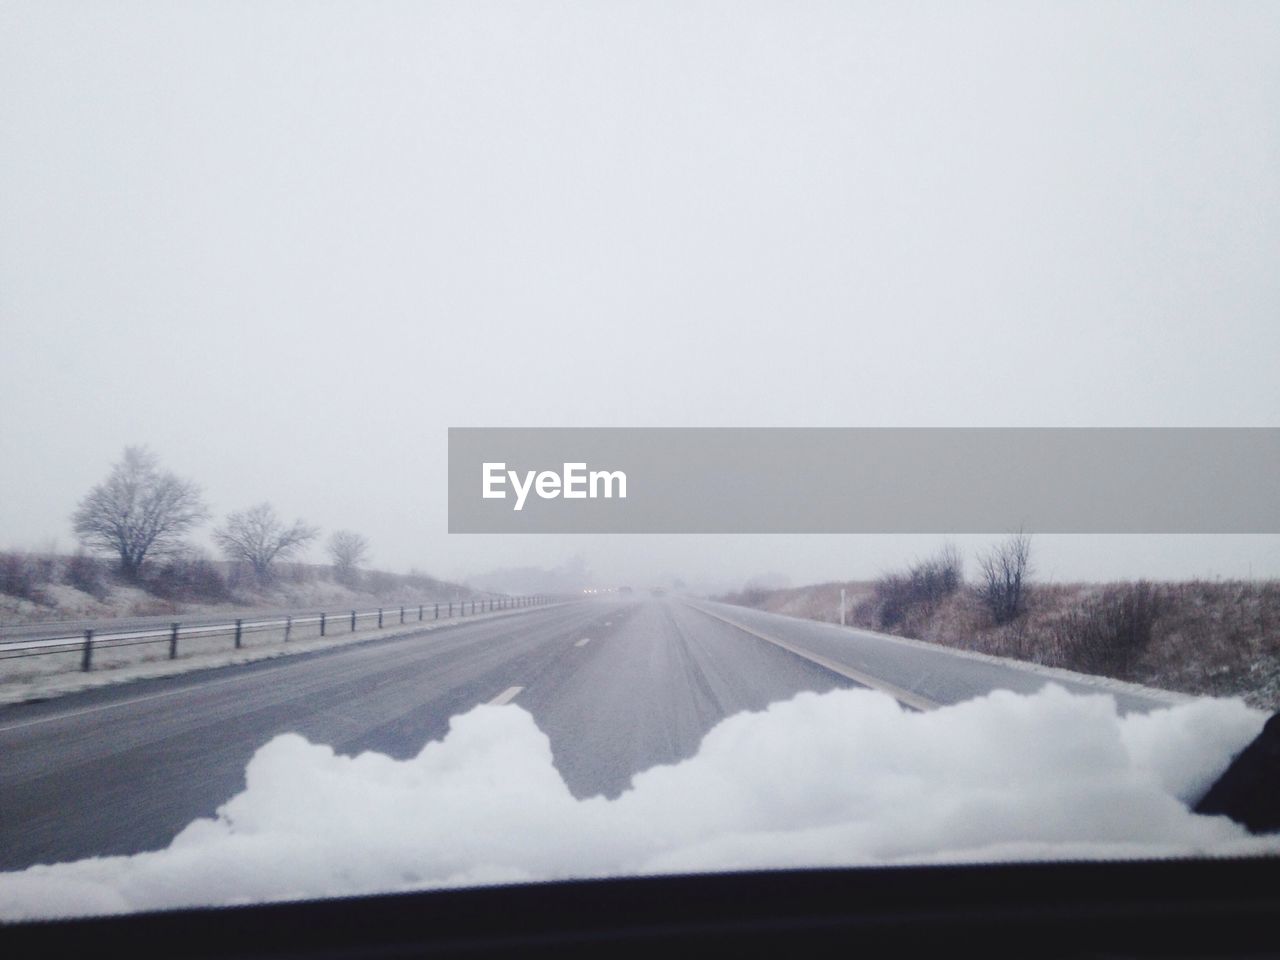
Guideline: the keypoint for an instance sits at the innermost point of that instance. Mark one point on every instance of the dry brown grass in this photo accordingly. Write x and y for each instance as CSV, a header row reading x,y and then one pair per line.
x,y
819,601
1218,638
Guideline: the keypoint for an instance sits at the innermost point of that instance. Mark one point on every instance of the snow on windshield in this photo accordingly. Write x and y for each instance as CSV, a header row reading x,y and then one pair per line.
x,y
842,778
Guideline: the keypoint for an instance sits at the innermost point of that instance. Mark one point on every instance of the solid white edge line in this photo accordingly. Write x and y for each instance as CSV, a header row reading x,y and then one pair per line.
x,y
1100,683
904,697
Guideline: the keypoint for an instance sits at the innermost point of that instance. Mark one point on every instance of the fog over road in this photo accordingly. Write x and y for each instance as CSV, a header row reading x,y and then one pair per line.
x,y
617,685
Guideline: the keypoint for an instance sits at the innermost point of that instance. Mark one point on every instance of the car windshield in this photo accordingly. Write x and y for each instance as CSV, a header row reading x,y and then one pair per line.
x,y
464,444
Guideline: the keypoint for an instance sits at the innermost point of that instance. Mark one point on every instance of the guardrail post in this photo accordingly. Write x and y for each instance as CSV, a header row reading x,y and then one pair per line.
x,y
86,662
353,621
450,608
437,611
288,628
173,642
419,611
379,618
402,615
322,624
239,630
473,606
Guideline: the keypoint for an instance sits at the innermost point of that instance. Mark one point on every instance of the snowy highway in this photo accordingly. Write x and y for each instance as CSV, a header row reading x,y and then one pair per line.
x,y
618,686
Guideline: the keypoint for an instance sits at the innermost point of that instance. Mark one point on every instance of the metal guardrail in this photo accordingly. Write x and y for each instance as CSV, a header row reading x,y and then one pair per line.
x,y
329,623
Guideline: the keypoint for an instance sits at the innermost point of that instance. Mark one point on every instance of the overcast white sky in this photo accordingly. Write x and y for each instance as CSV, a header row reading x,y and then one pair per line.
x,y
289,244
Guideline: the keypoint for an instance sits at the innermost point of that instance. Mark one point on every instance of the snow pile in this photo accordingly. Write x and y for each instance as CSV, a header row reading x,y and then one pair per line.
x,y
846,777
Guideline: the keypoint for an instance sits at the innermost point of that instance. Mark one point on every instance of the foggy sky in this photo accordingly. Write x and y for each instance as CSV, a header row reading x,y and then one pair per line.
x,y
288,245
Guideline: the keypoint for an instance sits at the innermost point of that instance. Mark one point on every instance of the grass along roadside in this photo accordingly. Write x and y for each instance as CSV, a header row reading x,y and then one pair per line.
x,y
1215,638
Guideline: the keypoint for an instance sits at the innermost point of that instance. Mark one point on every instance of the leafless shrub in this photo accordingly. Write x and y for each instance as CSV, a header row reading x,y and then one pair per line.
x,y
85,573
298,572
348,550
188,576
23,575
138,511
893,599
259,537
1003,583
1111,630
380,583
920,589
426,585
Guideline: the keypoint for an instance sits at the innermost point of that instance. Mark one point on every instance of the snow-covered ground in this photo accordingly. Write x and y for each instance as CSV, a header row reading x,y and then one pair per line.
x,y
843,778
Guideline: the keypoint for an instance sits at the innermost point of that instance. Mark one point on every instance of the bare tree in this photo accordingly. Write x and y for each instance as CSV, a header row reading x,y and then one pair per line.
x,y
950,563
138,511
259,537
921,588
1005,570
348,551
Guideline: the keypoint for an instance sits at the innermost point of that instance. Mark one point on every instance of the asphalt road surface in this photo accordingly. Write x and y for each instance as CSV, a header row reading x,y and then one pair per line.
x,y
618,686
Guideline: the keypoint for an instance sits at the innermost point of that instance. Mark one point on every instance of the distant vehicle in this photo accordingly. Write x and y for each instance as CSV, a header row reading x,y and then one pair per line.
x,y
659,591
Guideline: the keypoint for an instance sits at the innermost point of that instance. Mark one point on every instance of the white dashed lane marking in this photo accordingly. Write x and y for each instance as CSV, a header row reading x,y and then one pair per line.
x,y
583,642
506,696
